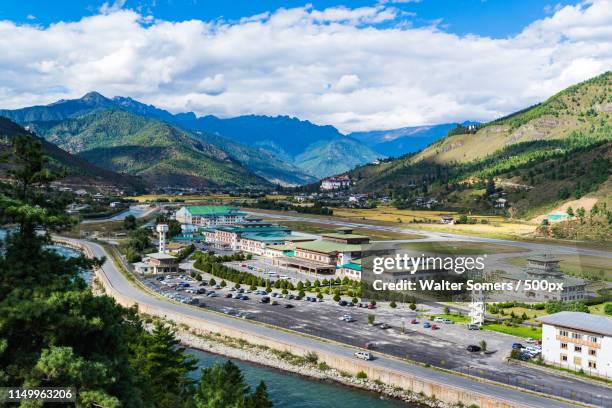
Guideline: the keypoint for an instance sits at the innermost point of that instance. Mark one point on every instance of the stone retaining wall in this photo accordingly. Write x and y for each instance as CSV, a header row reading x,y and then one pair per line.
x,y
441,391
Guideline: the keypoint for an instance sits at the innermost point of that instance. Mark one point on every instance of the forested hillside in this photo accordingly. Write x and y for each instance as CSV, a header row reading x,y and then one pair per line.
x,y
160,153
535,158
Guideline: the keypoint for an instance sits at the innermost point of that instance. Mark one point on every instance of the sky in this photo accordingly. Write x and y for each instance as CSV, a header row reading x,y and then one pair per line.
x,y
358,65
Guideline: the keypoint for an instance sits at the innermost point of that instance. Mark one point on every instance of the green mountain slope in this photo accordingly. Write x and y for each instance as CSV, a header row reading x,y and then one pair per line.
x,y
79,171
334,156
161,153
537,157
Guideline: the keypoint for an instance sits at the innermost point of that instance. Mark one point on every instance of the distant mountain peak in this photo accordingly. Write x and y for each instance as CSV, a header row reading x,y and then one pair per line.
x,y
94,96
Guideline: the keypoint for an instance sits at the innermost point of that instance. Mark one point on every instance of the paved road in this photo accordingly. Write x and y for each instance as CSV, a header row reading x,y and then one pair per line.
x,y
138,211
123,286
432,236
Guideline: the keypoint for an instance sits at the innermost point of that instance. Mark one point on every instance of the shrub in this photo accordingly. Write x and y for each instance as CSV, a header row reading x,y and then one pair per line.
x,y
393,305
361,375
336,297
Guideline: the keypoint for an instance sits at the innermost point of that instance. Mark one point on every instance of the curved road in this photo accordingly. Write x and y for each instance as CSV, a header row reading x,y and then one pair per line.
x,y
128,290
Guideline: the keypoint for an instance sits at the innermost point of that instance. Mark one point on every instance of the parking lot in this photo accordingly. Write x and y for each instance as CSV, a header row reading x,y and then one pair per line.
x,y
392,333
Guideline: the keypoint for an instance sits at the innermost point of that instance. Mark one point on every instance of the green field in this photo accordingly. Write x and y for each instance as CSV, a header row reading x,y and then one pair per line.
x,y
463,248
518,331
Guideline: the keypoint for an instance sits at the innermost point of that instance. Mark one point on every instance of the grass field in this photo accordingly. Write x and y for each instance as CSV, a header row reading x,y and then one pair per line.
x,y
518,331
495,226
454,317
589,267
599,309
463,248
532,314
318,228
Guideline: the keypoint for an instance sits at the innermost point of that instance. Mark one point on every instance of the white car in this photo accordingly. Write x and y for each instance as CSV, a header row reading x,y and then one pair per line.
x,y
364,355
438,319
346,318
530,340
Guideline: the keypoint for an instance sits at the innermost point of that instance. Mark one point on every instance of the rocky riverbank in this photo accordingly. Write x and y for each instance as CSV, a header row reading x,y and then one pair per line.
x,y
308,365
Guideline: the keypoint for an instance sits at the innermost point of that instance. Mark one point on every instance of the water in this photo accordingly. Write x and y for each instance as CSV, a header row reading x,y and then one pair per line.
x,y
135,210
290,390
66,252
556,217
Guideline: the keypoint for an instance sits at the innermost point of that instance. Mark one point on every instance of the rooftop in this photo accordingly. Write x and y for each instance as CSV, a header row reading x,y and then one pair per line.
x,y
543,258
263,236
341,235
160,255
327,247
213,210
580,321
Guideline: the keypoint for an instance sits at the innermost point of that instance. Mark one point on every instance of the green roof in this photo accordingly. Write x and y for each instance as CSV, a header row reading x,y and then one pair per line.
x,y
265,237
281,247
256,230
327,246
298,238
213,210
352,265
344,236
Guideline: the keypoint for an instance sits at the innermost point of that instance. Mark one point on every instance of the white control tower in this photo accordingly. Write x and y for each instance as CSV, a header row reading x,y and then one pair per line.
x,y
162,229
478,307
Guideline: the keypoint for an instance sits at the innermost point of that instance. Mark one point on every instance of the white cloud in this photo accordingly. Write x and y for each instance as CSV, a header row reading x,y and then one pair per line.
x,y
347,83
107,8
338,65
31,17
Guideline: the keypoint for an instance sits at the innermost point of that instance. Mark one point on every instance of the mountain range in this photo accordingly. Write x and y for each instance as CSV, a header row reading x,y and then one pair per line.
x,y
542,156
278,149
398,142
78,170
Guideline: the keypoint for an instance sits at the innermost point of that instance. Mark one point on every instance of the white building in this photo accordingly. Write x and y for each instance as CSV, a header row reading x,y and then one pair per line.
x,y
578,341
196,216
335,183
159,262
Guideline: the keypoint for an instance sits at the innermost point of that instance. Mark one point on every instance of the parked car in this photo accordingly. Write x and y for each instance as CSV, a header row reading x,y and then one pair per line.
x,y
426,325
530,340
342,303
288,306
264,299
371,306
347,318
472,348
384,326
448,321
517,346
274,303
228,295
473,327
364,355
438,319
524,356
244,297
434,327
370,345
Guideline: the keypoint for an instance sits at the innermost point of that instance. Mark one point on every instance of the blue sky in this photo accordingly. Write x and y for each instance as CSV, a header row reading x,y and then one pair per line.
x,y
494,18
359,65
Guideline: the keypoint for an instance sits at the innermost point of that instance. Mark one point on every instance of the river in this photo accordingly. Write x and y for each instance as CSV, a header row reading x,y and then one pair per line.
x,y
291,390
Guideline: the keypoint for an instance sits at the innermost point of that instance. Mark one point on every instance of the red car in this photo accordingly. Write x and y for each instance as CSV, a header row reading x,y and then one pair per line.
x,y
370,346
434,327
414,321
370,306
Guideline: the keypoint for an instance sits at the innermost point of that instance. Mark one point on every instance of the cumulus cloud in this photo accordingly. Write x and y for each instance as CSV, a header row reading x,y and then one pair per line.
x,y
355,68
